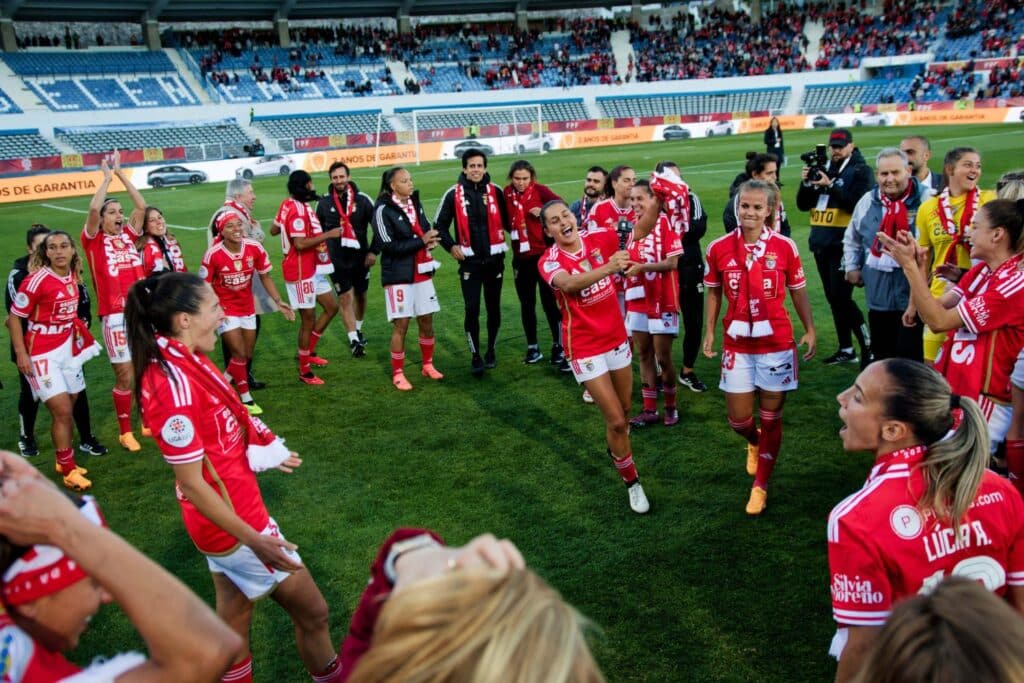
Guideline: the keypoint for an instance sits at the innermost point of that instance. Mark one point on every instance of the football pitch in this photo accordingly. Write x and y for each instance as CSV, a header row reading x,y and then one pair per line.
x,y
693,591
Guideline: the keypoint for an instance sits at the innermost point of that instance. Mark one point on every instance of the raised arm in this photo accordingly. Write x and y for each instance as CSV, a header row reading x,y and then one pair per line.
x,y
92,221
138,203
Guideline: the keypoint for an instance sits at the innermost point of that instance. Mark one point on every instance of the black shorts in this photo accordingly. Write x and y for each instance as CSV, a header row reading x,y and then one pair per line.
x,y
350,272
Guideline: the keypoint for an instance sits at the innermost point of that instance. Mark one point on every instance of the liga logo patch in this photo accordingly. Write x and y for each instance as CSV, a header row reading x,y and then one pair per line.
x,y
21,300
178,431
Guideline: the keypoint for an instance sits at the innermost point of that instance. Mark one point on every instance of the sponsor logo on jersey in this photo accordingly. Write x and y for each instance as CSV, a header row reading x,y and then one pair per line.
x,y
238,265
906,522
854,590
178,431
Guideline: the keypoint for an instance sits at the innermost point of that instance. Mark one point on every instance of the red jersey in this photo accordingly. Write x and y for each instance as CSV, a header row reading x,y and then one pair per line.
x,y
191,424
527,232
782,270
591,320
881,548
606,214
231,275
26,661
979,357
296,220
655,293
50,303
154,259
115,265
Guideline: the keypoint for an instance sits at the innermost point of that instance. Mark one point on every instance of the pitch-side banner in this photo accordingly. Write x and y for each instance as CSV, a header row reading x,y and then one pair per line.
x,y
55,185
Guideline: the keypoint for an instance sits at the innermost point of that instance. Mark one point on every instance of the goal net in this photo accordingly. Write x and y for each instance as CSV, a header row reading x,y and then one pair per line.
x,y
508,129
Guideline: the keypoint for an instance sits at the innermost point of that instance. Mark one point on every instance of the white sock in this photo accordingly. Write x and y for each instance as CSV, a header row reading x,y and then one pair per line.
x,y
353,336
359,326
246,397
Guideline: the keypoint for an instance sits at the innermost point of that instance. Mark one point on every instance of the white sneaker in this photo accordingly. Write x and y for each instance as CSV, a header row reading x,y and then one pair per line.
x,y
587,398
637,499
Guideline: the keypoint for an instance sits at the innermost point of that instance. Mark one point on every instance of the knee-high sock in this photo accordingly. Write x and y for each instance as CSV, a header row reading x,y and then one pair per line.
x,y
66,460
239,673
314,339
768,451
427,350
239,375
123,409
746,429
626,468
397,362
650,397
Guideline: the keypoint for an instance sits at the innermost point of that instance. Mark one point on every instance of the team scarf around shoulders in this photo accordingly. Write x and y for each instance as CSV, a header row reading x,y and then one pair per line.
x,y
968,376
648,286
951,227
348,233
894,219
675,198
750,319
425,262
521,201
495,230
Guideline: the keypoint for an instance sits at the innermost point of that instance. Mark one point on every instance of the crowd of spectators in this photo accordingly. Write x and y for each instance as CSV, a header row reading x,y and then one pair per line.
x,y
717,44
902,28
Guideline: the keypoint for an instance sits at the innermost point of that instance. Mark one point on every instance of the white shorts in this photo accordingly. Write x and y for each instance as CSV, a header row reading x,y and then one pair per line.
x,y
668,323
248,572
586,369
408,301
998,416
237,322
745,372
303,294
54,373
1017,378
115,337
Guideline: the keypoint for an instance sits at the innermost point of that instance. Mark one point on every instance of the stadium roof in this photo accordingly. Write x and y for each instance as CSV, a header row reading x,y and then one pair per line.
x,y
266,10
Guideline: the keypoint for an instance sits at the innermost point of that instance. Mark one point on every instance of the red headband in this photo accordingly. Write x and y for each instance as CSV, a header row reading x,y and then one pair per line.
x,y
225,217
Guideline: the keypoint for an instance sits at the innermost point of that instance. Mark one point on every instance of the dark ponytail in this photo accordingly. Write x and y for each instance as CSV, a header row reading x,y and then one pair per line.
x,y
149,310
385,182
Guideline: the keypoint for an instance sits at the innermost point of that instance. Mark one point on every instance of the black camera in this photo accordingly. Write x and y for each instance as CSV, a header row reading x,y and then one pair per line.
x,y
816,161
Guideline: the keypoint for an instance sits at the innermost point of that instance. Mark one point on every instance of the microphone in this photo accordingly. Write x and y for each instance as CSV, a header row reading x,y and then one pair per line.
x,y
624,229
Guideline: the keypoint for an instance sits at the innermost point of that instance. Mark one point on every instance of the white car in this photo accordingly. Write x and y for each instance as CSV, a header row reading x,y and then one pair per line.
x,y
274,164
720,128
536,143
874,118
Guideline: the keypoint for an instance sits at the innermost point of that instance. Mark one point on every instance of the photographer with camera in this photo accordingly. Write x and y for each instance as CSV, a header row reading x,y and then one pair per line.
x,y
829,190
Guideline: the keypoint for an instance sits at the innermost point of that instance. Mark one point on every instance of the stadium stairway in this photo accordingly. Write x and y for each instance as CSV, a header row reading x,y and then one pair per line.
x,y
188,77
398,72
621,49
19,93
813,30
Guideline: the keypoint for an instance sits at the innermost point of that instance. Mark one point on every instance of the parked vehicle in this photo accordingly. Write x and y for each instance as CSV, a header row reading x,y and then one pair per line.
x,y
873,118
675,132
174,175
536,143
720,128
275,164
467,145
822,122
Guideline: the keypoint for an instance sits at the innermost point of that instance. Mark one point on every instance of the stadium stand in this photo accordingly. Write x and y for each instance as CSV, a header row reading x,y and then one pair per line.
x,y
70,63
981,29
850,35
299,126
24,144
822,99
760,99
561,110
167,134
7,105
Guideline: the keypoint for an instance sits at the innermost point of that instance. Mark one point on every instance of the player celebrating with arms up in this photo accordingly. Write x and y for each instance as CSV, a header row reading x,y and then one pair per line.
x,y
108,241
755,265
579,269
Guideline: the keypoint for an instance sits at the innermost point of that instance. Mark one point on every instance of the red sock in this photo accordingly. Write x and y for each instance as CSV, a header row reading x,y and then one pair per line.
x,y
314,339
239,373
303,362
331,674
123,409
670,396
239,673
427,349
650,396
746,429
66,460
771,441
1015,462
626,468
397,362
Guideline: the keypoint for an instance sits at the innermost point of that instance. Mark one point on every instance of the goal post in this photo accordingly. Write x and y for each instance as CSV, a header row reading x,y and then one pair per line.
x,y
506,129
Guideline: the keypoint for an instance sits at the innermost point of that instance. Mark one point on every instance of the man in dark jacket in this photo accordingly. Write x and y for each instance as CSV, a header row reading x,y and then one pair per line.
x,y
830,197
28,407
477,208
346,207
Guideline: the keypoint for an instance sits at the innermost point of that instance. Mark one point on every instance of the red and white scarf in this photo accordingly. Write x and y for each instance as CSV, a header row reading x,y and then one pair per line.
x,y
495,229
425,262
952,228
83,345
675,198
894,219
750,319
521,203
348,233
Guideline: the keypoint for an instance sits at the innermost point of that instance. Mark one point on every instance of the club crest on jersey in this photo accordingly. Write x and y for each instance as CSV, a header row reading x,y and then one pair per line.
x,y
249,262
71,289
769,262
598,259
585,265
118,244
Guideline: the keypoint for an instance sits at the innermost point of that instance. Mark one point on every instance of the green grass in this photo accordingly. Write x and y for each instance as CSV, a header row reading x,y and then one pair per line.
x,y
693,591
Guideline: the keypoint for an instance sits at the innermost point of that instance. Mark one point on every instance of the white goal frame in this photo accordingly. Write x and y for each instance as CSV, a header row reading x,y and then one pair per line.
x,y
536,123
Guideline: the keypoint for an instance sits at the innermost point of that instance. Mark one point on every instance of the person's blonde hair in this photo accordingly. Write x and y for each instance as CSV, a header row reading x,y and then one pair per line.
x,y
959,632
480,627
